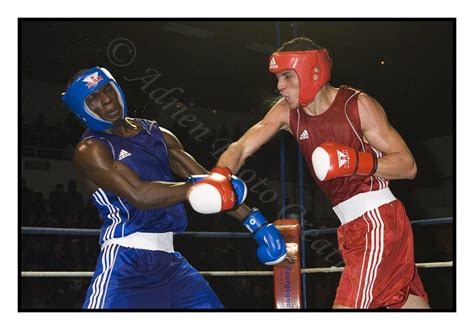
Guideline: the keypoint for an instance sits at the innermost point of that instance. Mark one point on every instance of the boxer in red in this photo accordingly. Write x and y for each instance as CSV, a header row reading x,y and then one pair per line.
x,y
352,152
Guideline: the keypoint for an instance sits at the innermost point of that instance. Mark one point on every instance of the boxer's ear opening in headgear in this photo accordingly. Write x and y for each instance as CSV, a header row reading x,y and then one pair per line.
x,y
84,83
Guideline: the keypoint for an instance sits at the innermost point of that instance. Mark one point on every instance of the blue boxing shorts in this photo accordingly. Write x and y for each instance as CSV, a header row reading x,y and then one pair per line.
x,y
136,278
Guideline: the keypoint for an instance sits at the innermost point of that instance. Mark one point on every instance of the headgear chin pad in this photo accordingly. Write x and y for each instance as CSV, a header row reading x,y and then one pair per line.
x,y
313,68
84,85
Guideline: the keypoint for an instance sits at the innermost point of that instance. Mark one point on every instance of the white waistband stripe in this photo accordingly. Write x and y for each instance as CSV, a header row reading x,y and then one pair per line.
x,y
146,241
356,206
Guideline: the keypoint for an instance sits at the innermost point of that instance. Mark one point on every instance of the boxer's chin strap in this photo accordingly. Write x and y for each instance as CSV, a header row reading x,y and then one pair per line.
x,y
287,274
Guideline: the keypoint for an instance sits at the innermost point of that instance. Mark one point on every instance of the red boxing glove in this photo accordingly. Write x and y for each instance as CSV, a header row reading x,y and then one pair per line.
x,y
214,193
332,160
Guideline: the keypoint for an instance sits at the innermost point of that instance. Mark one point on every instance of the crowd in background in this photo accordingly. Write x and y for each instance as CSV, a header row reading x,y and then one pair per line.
x,y
64,135
61,135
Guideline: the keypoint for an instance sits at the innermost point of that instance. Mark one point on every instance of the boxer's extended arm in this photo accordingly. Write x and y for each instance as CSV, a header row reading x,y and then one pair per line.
x,y
181,162
272,248
184,165
276,119
398,161
94,161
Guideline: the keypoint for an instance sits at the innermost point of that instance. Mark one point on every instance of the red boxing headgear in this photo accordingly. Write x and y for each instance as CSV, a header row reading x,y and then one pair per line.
x,y
307,64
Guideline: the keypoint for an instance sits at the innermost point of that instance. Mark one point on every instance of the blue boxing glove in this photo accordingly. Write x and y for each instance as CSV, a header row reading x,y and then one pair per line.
x,y
271,246
240,188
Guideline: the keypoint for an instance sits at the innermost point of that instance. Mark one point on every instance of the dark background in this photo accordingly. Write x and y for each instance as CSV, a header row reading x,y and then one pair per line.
x,y
222,65
219,69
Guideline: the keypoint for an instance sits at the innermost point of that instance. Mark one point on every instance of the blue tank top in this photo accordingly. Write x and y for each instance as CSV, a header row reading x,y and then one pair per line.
x,y
147,155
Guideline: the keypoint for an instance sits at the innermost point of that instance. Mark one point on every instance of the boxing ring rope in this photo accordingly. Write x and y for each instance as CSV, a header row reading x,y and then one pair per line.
x,y
436,221
207,234
443,264
96,232
232,273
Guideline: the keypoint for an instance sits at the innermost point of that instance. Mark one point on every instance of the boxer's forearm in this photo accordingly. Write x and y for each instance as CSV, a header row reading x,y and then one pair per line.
x,y
160,194
240,213
233,158
183,164
396,166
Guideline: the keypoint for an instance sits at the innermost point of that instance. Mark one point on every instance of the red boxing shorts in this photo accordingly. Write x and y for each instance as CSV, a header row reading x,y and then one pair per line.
x,y
377,249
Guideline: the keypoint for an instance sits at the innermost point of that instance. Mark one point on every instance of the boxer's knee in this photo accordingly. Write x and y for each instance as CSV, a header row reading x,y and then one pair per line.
x,y
416,302
336,306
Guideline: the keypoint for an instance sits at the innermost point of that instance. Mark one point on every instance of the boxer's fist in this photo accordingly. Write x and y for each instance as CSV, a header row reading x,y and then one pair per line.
x,y
271,246
238,184
332,160
214,193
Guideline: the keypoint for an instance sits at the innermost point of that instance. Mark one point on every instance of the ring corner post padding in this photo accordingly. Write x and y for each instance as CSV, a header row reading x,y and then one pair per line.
x,y
287,274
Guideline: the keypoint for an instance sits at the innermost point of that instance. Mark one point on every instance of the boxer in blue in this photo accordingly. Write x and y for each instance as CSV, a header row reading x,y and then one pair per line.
x,y
128,166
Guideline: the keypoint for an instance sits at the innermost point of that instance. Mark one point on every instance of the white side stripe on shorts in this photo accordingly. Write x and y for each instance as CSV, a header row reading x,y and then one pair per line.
x,y
113,256
97,283
363,263
101,282
375,256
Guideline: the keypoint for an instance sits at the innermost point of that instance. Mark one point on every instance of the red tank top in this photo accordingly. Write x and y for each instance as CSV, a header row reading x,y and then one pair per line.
x,y
340,123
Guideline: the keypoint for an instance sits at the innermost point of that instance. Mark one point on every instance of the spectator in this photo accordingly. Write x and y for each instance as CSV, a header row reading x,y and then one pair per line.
x,y
57,201
39,207
57,134
25,132
40,132
74,202
26,195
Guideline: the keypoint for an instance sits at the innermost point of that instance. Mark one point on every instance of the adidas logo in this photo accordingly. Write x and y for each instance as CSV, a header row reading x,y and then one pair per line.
x,y
343,158
124,154
273,64
304,135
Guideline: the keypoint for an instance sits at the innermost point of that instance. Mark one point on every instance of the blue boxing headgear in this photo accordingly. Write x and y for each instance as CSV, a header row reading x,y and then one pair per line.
x,y
84,85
